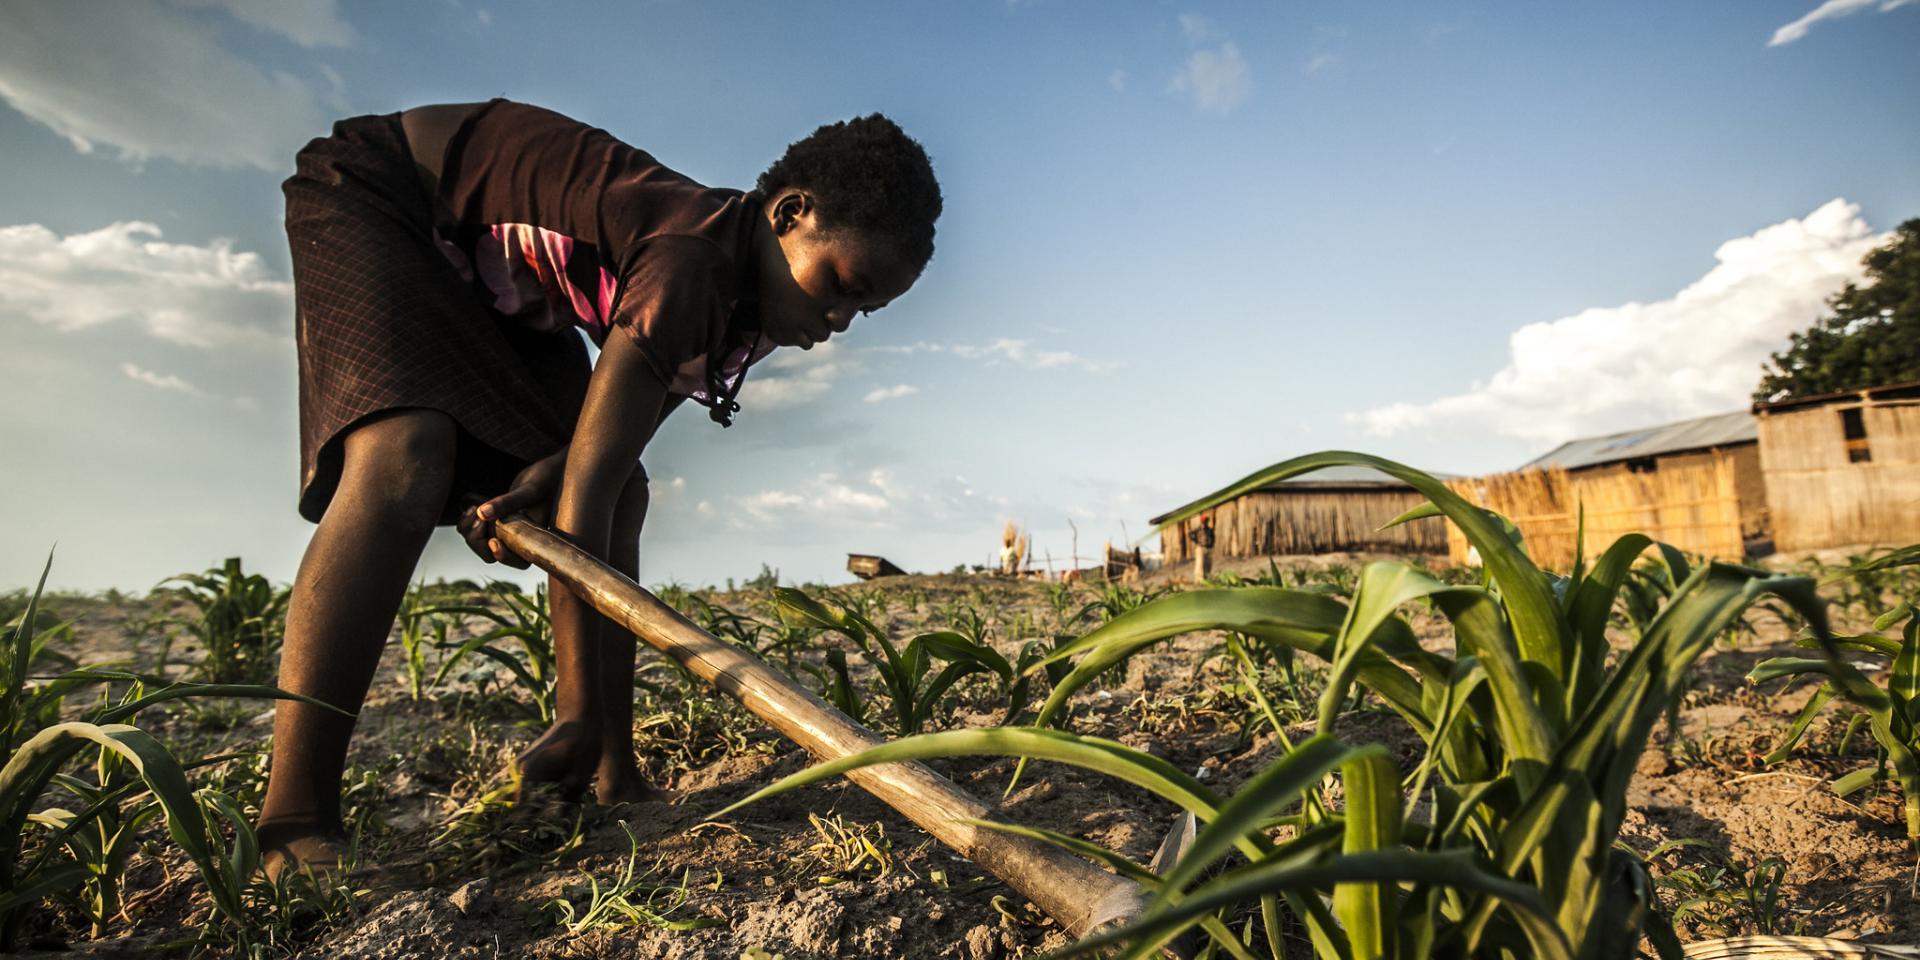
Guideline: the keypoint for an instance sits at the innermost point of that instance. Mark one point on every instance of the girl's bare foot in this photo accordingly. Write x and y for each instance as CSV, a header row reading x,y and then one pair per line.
x,y
564,757
301,850
616,785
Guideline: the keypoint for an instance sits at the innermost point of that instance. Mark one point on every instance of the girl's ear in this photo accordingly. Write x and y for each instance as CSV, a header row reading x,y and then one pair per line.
x,y
788,209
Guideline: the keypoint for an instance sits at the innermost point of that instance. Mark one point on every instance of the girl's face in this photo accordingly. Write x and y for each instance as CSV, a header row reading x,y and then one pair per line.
x,y
813,282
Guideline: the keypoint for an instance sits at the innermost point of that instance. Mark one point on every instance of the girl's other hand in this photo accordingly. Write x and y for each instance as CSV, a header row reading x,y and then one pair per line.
x,y
531,493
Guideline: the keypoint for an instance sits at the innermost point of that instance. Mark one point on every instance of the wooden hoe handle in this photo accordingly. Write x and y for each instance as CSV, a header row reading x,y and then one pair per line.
x,y
1077,894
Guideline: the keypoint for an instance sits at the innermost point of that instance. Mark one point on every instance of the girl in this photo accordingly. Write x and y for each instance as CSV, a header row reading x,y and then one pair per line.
x,y
441,258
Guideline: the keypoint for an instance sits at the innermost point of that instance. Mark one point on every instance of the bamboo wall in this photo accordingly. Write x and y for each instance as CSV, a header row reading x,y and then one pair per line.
x,y
1819,499
1274,523
1691,500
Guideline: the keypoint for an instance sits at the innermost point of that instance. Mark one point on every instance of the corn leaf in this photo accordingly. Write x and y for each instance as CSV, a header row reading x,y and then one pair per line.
x,y
1538,623
1102,756
1367,910
1274,788
37,761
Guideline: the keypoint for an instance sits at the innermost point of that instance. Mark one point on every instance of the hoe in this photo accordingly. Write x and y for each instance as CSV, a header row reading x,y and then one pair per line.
x,y
1078,895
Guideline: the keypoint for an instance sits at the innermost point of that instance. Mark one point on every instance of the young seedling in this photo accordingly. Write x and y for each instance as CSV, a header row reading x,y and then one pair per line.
x,y
241,619
904,671
1892,712
132,769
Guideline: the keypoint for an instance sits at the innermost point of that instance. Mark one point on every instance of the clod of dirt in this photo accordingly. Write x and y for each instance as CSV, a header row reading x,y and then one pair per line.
x,y
414,925
469,895
811,922
1653,763
982,944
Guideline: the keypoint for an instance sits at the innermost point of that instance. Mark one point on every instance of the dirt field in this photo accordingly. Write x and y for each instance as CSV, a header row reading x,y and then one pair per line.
x,y
829,872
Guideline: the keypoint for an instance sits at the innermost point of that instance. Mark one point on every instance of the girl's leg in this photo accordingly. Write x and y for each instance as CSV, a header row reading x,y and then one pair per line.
x,y
592,735
617,779
397,471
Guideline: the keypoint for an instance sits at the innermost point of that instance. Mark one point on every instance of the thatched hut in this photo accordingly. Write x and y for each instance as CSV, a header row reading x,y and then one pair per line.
x,y
1843,468
1330,510
1695,484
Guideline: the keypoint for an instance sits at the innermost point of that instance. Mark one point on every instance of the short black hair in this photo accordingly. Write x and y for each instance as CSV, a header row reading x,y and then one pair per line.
x,y
867,175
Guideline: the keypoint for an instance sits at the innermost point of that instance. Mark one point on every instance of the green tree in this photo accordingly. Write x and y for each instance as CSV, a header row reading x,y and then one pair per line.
x,y
1872,338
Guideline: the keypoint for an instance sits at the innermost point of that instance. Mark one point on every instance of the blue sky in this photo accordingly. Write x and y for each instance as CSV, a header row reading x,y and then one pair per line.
x,y
1182,241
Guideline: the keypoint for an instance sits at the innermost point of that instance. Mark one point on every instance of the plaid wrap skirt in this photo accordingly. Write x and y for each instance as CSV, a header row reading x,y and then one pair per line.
x,y
382,321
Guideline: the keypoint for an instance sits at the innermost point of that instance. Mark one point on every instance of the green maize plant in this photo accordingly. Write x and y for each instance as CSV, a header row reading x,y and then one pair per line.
x,y
968,621
1115,599
1868,578
525,623
241,619
1016,681
422,628
1032,660
1892,713
1722,899
1060,599
1253,662
764,640
26,708
903,670
135,776
32,769
1501,842
100,837
865,603
838,686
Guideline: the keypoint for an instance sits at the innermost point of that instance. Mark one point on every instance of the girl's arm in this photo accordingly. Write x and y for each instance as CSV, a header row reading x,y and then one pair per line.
x,y
624,406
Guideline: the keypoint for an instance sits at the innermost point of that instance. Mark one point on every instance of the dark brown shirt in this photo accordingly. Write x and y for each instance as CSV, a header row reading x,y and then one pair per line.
x,y
558,223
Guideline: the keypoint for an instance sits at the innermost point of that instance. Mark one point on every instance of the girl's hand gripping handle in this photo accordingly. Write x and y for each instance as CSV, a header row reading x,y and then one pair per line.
x,y
532,493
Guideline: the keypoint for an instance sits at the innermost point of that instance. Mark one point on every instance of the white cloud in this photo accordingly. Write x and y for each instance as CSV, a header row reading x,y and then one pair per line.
x,y
767,502
1117,80
1022,353
1197,28
824,497
796,377
160,381
894,392
882,480
173,383
1636,364
1829,10
1215,77
1319,62
150,79
200,296
1003,349
309,23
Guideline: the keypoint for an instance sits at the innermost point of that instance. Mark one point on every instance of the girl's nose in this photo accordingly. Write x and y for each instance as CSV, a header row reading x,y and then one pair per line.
x,y
840,318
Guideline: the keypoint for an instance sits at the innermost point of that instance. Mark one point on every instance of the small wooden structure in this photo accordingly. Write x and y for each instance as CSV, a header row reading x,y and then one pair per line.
x,y
1695,484
1326,511
1843,468
867,566
1121,564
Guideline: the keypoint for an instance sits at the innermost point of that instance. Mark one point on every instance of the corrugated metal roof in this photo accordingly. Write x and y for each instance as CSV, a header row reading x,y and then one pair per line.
x,y
1719,430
